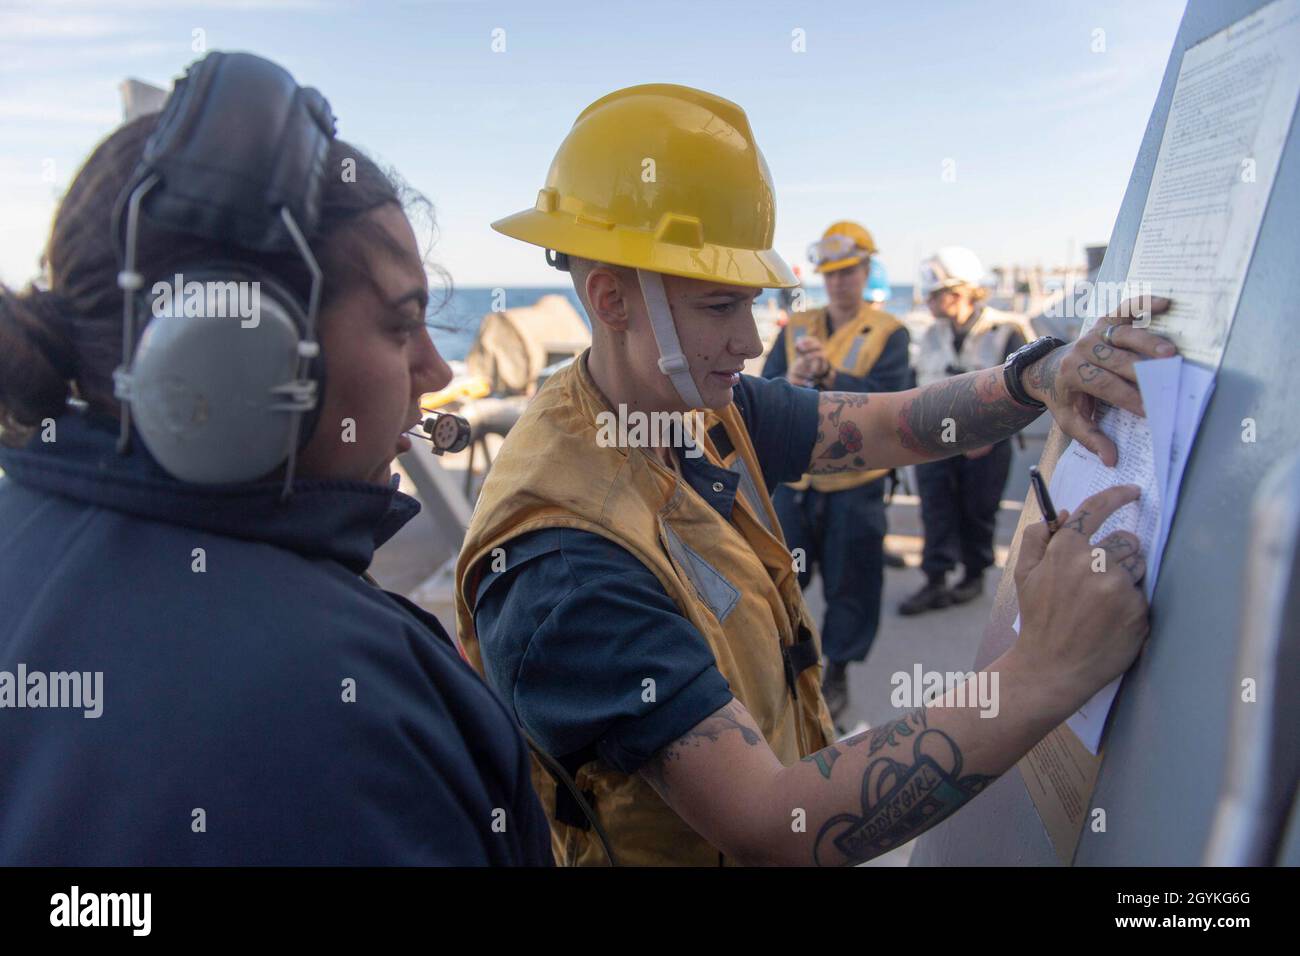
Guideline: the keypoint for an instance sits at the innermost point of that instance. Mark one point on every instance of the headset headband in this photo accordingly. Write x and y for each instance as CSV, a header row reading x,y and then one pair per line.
x,y
238,157
238,141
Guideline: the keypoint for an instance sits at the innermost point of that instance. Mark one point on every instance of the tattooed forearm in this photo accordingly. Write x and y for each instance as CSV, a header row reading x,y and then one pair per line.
x,y
900,798
709,730
961,414
843,451
888,733
824,759
831,407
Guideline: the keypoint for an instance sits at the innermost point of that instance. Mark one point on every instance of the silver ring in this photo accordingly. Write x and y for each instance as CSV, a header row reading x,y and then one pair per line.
x,y
1108,335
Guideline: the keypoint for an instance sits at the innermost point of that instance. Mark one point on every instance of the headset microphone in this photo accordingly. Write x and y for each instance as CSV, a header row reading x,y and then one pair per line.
x,y
446,432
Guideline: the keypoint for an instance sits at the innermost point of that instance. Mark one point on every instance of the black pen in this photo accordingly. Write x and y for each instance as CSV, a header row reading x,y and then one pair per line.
x,y
1044,499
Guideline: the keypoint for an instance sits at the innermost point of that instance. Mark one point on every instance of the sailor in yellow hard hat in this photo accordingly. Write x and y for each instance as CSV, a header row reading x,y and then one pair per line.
x,y
836,523
633,601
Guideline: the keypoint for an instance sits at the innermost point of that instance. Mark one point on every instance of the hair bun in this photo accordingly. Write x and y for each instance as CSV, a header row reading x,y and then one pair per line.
x,y
38,357
56,329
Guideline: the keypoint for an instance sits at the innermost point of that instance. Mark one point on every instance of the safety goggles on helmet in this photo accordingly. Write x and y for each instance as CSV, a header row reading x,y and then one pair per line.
x,y
833,248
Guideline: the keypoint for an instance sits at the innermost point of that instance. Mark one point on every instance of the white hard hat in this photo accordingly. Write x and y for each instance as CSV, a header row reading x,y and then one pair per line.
x,y
949,267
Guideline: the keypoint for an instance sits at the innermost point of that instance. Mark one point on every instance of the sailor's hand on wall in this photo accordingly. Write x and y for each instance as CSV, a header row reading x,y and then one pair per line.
x,y
1083,615
1099,367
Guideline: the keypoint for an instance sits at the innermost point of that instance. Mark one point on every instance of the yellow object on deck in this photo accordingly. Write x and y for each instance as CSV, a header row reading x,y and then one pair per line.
x,y
460,390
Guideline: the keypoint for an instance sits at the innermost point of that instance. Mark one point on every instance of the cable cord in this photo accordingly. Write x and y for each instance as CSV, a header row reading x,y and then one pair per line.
x,y
562,776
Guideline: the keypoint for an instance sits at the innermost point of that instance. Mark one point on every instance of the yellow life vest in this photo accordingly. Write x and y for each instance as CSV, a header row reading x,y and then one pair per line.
x,y
853,349
733,580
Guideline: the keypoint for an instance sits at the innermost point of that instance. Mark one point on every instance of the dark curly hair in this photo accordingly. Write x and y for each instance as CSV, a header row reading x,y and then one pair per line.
x,y
67,339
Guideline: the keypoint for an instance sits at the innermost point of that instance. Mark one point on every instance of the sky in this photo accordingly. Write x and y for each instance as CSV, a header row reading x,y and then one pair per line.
x,y
1008,127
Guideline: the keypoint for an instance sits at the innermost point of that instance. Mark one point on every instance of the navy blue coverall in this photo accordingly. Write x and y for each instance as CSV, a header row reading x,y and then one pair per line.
x,y
843,532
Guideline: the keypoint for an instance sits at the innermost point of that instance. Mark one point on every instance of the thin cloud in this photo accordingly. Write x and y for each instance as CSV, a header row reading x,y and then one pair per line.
x,y
1072,91
33,26
13,108
18,60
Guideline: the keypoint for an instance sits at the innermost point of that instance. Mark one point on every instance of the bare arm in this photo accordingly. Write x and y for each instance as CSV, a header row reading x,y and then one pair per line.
x,y
885,430
846,803
857,431
862,796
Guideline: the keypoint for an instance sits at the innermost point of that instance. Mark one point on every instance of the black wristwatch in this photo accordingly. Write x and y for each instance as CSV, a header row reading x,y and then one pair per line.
x,y
1021,359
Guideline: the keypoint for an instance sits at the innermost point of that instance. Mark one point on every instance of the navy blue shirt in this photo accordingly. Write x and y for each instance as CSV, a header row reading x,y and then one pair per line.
x,y
575,625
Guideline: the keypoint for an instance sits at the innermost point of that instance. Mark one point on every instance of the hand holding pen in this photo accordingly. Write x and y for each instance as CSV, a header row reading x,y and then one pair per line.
x,y
1044,499
1123,545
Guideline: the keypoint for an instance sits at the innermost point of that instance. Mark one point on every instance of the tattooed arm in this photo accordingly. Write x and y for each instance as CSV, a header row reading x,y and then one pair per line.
x,y
865,795
850,801
886,430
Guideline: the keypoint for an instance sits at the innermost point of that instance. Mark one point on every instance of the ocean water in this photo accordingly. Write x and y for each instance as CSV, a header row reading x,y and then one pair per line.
x,y
454,324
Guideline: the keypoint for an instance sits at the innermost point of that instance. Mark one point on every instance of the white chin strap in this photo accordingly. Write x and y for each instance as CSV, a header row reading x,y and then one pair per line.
x,y
671,360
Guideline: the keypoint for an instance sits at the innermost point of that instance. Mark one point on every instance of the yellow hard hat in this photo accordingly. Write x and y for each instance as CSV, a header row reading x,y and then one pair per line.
x,y
665,179
842,245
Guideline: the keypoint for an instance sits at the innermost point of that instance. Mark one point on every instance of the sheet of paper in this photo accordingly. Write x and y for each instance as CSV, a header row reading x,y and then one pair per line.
x,y
1195,385
1158,382
1059,774
1153,453
1080,474
1228,123
1175,394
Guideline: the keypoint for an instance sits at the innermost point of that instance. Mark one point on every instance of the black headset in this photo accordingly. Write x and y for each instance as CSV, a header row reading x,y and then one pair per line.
x,y
226,382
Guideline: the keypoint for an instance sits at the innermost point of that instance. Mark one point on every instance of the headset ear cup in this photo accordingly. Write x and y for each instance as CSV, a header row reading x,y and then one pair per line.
x,y
315,370
316,373
203,380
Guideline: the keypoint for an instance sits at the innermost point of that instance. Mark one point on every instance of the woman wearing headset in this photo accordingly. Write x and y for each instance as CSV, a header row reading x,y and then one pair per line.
x,y
201,674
